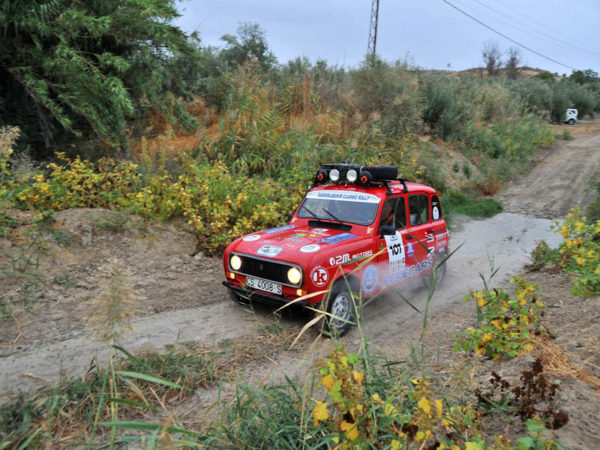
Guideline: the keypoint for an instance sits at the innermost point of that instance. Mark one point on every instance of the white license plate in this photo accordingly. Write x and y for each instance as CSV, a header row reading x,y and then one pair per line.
x,y
263,285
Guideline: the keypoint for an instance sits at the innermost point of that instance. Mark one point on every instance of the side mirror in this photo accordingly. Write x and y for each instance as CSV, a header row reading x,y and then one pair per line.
x,y
388,230
289,217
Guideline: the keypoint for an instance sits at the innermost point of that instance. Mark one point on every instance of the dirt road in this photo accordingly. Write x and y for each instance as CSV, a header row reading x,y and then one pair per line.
x,y
183,300
561,180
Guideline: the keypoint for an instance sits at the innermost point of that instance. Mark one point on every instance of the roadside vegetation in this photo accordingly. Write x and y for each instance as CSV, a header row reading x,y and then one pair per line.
x,y
107,105
348,399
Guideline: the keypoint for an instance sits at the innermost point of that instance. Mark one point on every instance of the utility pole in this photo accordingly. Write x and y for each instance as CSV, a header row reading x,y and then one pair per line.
x,y
371,49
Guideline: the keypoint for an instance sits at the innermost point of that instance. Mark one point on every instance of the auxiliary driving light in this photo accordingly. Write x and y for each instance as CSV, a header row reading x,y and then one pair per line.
x,y
334,175
351,175
235,262
294,275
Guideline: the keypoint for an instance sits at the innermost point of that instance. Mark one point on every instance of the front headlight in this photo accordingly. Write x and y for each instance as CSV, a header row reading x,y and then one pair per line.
x,y
294,275
235,262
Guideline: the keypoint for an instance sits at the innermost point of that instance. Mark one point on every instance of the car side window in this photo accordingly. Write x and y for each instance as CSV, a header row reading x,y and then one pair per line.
x,y
400,214
394,213
436,208
418,208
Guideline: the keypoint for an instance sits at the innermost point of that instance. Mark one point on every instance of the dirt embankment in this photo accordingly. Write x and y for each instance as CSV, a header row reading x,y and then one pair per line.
x,y
182,299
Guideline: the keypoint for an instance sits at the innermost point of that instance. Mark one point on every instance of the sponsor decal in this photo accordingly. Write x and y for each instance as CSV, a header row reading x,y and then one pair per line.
x,y
369,230
337,260
342,259
295,237
369,280
436,213
407,272
278,229
410,249
310,248
319,276
344,196
429,237
363,255
251,238
315,232
441,236
338,238
441,244
270,251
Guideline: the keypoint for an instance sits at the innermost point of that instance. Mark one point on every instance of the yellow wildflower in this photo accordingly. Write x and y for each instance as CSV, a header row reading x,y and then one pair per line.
x,y
350,429
320,412
425,405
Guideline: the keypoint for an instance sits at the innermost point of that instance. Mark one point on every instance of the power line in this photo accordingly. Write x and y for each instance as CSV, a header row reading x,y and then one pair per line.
x,y
507,37
533,19
524,28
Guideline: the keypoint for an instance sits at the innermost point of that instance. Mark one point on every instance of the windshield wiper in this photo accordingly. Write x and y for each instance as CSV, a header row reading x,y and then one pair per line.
x,y
309,211
334,217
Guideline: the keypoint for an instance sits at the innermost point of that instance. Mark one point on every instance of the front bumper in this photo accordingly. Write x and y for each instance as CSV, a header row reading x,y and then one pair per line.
x,y
261,297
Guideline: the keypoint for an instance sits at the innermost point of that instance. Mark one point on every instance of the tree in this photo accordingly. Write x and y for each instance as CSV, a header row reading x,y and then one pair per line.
x,y
74,67
545,76
492,57
512,63
585,76
250,44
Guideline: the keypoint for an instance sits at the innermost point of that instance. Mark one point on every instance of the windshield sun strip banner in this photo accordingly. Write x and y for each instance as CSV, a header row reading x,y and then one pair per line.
x,y
344,196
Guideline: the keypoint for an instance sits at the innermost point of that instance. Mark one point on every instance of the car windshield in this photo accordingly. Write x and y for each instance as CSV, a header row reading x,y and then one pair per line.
x,y
352,207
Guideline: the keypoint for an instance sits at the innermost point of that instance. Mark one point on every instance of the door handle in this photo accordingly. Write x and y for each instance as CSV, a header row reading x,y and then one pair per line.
x,y
431,231
409,236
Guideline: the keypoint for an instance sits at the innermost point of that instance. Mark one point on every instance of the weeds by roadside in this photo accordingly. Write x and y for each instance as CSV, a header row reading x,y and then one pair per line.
x,y
578,254
506,324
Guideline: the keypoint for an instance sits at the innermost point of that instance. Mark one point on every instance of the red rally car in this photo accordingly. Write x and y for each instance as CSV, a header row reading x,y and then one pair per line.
x,y
358,231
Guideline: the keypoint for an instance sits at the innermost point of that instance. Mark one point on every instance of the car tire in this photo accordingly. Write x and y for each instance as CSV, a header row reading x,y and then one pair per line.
x,y
571,122
437,263
383,172
341,305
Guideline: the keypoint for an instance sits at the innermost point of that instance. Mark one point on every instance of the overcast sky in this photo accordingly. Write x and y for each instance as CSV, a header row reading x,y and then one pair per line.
x,y
431,33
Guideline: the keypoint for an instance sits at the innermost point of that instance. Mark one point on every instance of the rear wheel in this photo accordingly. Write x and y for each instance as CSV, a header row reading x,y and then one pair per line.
x,y
341,309
439,265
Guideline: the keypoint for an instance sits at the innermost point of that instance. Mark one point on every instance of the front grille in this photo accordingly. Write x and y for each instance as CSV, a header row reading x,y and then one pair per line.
x,y
268,270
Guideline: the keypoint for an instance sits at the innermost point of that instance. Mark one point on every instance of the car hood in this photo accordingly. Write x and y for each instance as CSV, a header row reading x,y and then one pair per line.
x,y
289,241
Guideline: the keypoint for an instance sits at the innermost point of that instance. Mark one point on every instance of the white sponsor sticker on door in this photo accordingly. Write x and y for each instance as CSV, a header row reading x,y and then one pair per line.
x,y
395,248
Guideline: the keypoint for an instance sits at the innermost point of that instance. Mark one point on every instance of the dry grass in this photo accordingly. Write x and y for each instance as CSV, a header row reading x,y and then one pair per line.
x,y
558,362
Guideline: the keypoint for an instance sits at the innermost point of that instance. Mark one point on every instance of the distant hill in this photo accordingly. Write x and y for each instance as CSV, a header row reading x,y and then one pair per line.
x,y
524,72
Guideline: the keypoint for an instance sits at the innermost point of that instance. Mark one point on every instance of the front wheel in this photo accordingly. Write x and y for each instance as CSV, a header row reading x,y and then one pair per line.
x,y
342,314
571,121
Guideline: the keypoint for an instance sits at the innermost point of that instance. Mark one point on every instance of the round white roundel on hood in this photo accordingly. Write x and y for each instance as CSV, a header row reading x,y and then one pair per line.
x,y
310,248
251,237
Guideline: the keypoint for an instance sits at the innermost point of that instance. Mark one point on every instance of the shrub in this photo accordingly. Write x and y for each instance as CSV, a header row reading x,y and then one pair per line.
x,y
580,252
507,324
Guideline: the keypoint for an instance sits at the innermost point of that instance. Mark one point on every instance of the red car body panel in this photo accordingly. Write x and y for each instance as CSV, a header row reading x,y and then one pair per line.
x,y
324,252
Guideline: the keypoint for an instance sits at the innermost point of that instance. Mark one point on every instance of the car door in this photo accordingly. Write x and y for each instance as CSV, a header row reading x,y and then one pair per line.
x,y
438,225
420,232
393,261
